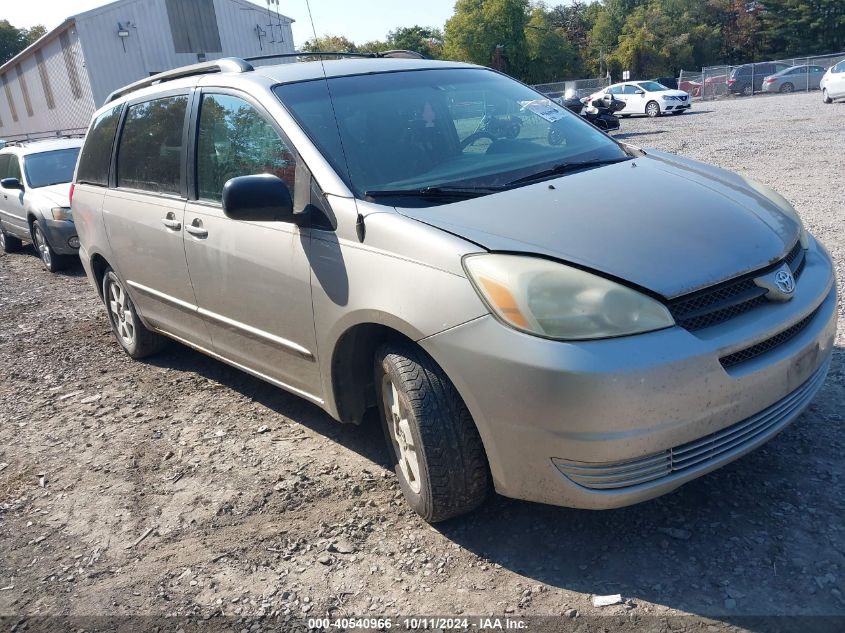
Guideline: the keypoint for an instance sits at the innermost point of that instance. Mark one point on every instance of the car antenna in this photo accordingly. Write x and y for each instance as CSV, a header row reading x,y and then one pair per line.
x,y
360,228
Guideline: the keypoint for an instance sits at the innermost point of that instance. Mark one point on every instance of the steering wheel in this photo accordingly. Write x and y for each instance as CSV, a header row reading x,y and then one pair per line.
x,y
472,138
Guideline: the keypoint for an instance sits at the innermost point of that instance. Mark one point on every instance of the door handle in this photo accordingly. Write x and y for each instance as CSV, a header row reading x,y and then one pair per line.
x,y
171,222
195,228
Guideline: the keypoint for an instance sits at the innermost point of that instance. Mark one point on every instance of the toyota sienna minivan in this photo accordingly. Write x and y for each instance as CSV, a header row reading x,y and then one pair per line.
x,y
580,323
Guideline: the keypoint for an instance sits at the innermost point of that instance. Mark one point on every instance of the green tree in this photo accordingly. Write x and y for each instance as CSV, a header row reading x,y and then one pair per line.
x,y
478,27
427,41
550,54
332,43
35,33
12,41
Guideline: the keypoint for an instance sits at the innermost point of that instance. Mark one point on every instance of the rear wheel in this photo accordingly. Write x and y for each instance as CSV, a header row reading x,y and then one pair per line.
x,y
52,261
135,339
652,109
436,450
825,96
748,90
787,87
9,243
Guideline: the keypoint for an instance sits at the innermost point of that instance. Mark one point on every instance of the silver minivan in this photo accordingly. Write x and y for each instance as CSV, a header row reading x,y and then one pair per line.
x,y
581,323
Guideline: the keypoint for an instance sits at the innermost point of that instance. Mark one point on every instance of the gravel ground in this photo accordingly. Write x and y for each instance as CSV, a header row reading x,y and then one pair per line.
x,y
180,486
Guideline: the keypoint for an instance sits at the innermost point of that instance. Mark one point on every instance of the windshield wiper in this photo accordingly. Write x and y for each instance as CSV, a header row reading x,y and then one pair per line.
x,y
563,168
434,192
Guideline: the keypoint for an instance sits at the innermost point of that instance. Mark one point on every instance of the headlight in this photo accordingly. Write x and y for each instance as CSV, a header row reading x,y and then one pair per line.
x,y
556,301
61,213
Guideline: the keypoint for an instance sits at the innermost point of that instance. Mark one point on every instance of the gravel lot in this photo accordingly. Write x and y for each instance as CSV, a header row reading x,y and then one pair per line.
x,y
301,518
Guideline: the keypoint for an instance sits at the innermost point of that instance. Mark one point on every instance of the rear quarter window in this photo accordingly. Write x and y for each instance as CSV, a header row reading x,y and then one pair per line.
x,y
96,153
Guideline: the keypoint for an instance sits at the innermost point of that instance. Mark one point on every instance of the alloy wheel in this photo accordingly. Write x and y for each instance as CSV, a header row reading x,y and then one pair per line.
x,y
403,441
121,314
43,248
652,109
2,240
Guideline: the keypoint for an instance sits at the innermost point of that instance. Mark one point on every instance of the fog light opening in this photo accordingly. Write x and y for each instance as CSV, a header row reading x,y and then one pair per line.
x,y
73,242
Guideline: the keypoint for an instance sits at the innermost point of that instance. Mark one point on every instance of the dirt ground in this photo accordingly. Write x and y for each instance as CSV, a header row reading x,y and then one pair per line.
x,y
180,486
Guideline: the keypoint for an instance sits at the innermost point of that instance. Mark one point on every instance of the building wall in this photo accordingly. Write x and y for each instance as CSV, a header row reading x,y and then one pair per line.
x,y
84,60
46,89
150,47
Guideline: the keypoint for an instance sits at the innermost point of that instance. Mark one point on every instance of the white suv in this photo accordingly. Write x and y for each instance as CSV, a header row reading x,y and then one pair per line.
x,y
35,186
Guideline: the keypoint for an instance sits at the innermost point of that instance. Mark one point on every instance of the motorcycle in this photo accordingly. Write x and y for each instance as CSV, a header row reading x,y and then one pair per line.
x,y
599,111
500,126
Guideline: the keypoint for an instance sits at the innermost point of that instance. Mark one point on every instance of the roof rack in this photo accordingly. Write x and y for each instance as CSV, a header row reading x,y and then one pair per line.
x,y
224,65
397,54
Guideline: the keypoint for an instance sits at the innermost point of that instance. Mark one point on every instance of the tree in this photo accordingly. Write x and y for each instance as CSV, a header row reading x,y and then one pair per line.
x,y
427,41
550,54
12,41
35,33
478,27
327,43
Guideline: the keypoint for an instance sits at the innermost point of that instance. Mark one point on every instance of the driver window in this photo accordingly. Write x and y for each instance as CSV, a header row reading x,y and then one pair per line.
x,y
630,90
615,90
236,140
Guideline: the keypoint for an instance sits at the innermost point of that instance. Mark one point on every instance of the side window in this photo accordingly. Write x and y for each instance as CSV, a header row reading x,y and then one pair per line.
x,y
14,168
4,165
148,157
615,90
96,153
630,90
236,140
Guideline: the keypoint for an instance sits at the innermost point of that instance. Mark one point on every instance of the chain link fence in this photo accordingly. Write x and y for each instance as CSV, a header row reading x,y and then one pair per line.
x,y
794,74
582,87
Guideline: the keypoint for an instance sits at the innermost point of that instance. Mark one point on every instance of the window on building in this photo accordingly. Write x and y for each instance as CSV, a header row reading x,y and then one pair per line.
x,y
150,149
235,140
193,26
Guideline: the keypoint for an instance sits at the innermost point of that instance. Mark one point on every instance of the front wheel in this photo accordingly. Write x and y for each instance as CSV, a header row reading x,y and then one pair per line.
x,y
9,243
436,450
52,261
787,88
652,109
135,339
825,97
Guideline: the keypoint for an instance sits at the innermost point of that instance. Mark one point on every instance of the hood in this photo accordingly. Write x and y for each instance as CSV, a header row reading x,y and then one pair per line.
x,y
674,93
53,196
661,222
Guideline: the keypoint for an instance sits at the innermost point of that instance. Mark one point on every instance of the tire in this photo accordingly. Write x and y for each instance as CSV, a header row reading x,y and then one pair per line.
x,y
9,243
135,339
652,109
787,88
825,99
747,91
435,448
52,261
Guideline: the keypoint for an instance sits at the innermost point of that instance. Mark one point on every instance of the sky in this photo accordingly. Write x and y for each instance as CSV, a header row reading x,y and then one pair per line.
x,y
358,20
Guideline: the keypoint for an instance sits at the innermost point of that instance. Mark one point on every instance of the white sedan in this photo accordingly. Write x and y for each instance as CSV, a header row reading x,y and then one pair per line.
x,y
648,97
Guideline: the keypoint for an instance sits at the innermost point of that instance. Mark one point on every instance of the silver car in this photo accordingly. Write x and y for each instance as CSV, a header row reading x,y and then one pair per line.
x,y
580,323
35,199
804,77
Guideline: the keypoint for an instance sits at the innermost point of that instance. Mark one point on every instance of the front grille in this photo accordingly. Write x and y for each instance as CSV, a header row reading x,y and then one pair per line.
x,y
769,344
714,449
728,300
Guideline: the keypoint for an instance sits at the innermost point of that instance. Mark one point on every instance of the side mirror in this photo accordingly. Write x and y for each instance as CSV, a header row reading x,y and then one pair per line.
x,y
640,92
258,198
11,183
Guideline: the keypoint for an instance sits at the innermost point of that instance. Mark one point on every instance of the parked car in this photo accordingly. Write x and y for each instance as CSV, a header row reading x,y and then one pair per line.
x,y
582,323
833,83
693,88
647,97
34,199
748,78
804,77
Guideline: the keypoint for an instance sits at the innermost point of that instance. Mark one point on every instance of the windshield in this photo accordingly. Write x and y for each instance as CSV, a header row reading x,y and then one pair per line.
x,y
50,168
414,130
652,86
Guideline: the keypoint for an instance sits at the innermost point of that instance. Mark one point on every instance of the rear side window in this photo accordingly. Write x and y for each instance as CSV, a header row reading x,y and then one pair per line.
x,y
13,168
236,140
4,165
150,150
96,154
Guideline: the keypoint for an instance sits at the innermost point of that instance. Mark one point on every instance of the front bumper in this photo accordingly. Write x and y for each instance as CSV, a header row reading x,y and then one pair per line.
x,y
676,106
60,235
546,409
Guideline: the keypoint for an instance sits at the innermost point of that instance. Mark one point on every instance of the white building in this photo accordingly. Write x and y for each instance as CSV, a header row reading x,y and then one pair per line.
x,y
54,86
